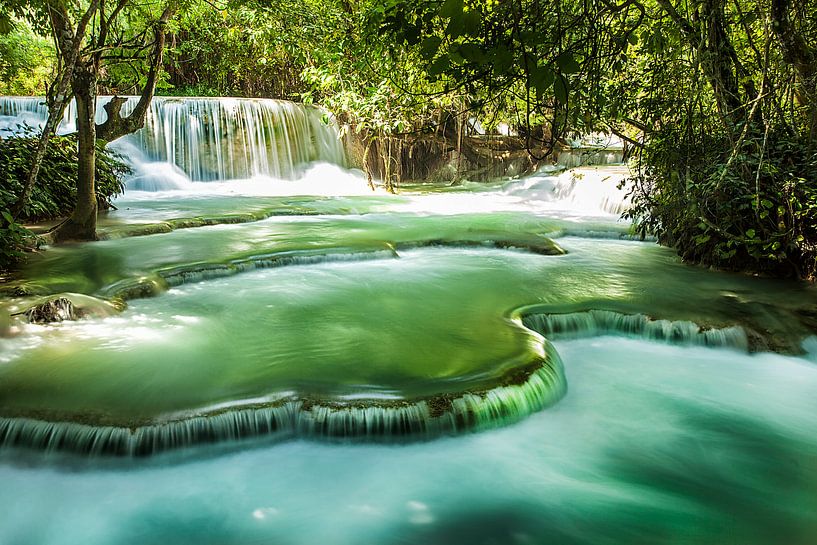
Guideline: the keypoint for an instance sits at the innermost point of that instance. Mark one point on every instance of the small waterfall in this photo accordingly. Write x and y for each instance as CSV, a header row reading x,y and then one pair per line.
x,y
589,189
421,419
580,190
150,285
589,157
208,139
590,323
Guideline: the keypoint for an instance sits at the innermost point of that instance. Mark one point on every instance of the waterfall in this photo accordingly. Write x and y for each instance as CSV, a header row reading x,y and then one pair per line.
x,y
575,325
287,418
588,190
589,157
206,139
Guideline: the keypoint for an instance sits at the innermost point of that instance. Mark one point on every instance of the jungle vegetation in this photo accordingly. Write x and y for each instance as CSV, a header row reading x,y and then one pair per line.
x,y
718,98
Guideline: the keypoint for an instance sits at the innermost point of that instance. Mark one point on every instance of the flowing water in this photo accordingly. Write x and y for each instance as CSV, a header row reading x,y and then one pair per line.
x,y
304,360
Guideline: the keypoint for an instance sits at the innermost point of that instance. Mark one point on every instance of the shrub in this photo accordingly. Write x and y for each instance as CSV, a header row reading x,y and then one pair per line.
x,y
750,209
55,193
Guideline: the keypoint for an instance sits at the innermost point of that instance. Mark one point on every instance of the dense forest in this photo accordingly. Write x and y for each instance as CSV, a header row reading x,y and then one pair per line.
x,y
717,98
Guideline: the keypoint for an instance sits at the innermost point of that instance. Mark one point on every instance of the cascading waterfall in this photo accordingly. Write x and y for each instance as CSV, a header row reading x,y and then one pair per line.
x,y
585,190
283,419
207,139
586,157
238,138
575,325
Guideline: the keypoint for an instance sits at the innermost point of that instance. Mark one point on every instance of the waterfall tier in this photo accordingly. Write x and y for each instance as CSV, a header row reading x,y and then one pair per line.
x,y
209,138
590,323
542,385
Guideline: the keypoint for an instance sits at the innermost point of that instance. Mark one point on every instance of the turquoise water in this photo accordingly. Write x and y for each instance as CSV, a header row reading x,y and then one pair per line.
x,y
306,360
653,444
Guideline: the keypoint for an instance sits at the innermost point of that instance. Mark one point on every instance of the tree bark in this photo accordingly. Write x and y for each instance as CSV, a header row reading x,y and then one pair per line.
x,y
82,223
708,38
796,51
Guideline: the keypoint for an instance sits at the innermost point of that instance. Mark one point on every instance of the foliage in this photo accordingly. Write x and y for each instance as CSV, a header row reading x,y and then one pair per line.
x,y
26,61
244,49
55,195
726,175
13,237
760,216
526,62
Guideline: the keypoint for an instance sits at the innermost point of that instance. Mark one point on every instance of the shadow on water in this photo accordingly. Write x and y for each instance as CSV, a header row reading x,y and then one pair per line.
x,y
182,524
734,468
503,525
557,524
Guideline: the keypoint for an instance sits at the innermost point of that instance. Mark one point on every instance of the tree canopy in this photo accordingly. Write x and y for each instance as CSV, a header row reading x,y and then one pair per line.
x,y
717,96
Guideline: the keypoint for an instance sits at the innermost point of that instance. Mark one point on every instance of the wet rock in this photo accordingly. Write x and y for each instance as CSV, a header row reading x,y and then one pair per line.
x,y
54,310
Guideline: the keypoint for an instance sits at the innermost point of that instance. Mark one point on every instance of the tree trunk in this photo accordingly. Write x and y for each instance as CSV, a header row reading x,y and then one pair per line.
x,y
69,43
708,38
82,223
117,126
718,60
796,50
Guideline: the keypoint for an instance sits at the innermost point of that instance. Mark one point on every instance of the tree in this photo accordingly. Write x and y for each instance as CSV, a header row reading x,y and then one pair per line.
x,y
88,38
719,95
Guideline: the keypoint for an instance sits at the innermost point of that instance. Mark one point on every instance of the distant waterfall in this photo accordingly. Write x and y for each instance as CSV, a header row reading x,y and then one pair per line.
x,y
586,190
210,138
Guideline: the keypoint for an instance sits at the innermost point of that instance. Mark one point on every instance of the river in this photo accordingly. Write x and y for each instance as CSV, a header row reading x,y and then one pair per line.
x,y
294,358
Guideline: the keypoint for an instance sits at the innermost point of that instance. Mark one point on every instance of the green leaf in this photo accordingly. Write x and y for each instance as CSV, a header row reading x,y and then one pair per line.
x,y
455,27
766,203
561,89
472,52
471,23
632,38
430,46
541,78
412,35
440,65
750,233
451,8
503,59
567,64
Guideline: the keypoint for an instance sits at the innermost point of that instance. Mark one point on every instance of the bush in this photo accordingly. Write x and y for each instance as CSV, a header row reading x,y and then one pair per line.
x,y
55,193
13,239
755,211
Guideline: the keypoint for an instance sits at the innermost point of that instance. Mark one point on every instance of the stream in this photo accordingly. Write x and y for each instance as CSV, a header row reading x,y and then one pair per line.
x,y
272,352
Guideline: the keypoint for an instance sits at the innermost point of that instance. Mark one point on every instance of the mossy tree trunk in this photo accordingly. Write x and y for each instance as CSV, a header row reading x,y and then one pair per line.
x,y
82,223
69,41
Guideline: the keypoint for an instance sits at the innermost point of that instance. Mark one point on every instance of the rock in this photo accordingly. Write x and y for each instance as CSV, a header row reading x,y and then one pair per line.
x,y
54,310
